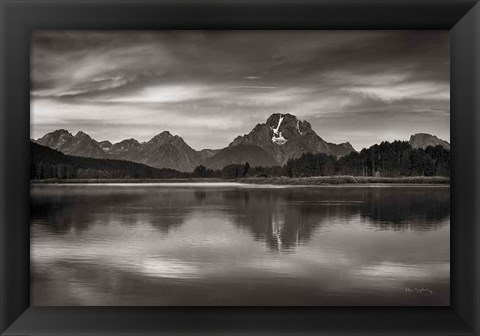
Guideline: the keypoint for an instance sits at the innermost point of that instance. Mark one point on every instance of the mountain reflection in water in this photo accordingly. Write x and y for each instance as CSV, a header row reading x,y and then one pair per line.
x,y
239,245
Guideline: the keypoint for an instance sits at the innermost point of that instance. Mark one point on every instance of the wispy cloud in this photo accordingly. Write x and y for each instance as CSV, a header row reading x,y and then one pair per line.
x,y
252,87
429,91
352,86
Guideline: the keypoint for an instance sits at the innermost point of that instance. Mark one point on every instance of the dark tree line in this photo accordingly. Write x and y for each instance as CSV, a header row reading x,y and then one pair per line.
x,y
398,158
387,159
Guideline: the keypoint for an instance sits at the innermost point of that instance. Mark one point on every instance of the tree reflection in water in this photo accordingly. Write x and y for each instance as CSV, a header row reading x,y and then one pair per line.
x,y
238,245
281,217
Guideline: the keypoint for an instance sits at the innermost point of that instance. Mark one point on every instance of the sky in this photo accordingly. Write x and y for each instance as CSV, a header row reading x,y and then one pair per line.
x,y
211,86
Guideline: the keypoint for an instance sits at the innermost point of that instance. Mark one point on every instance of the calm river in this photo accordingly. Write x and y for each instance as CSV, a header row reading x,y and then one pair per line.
x,y
233,244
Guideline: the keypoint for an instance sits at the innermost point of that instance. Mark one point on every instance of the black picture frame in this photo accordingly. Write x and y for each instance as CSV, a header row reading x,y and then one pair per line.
x,y
19,17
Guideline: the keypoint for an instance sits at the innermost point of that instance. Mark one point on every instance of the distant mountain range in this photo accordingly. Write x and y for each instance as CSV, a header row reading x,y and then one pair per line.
x,y
79,145
49,163
162,151
273,143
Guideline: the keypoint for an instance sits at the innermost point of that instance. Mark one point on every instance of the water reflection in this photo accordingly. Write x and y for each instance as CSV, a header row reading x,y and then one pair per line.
x,y
283,218
169,245
416,209
64,210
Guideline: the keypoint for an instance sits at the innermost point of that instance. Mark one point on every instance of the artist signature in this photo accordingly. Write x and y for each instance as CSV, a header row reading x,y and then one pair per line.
x,y
421,290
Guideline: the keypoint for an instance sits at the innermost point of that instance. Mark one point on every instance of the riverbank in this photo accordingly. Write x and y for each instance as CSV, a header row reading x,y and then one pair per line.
x,y
317,180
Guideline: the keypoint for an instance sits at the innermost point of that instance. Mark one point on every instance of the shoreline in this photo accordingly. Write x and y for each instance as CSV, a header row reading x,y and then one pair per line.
x,y
318,180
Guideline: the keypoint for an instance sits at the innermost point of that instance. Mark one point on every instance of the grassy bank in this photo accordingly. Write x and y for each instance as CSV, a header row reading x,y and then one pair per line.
x,y
318,180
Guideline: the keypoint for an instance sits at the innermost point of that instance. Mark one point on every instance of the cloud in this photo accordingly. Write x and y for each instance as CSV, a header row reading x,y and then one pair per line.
x,y
96,85
251,87
165,94
405,91
356,86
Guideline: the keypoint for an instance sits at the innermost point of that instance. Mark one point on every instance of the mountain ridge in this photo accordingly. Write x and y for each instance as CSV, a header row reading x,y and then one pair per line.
x,y
281,138
80,144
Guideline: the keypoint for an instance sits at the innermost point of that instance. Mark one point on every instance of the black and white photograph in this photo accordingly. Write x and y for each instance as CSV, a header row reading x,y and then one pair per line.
x,y
240,168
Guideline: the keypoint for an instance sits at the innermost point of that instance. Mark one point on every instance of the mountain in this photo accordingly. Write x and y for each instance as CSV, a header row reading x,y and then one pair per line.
x,y
423,140
256,156
162,151
46,163
273,143
167,151
340,150
207,153
280,138
105,145
56,139
79,145
126,149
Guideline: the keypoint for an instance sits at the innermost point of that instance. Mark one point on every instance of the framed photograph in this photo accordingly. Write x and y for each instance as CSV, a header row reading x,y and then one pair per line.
x,y
227,167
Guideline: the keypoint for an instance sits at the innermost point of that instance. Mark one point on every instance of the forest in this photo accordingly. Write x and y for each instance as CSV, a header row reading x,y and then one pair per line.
x,y
387,159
